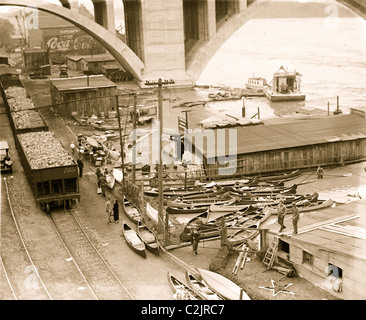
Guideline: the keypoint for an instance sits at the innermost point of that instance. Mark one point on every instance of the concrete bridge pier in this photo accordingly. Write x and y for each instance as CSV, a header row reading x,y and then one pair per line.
x,y
154,31
104,14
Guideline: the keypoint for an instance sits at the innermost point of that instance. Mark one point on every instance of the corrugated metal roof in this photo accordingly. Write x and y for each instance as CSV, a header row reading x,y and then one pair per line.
x,y
294,133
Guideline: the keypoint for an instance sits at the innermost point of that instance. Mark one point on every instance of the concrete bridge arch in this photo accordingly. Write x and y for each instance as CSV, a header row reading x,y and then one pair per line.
x,y
122,53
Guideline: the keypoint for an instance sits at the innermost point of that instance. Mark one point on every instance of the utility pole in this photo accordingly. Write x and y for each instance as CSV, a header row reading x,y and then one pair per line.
x,y
134,138
160,84
121,142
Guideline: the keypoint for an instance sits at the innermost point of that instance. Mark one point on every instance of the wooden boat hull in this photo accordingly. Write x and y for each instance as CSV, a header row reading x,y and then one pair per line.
x,y
130,210
173,210
317,206
201,288
148,237
223,286
176,285
153,214
118,175
133,240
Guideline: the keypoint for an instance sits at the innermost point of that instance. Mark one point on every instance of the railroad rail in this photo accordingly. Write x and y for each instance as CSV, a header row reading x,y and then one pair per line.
x,y
92,266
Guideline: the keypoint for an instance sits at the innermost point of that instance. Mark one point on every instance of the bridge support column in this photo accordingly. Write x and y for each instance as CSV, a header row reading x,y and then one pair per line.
x,y
243,4
163,41
104,14
211,19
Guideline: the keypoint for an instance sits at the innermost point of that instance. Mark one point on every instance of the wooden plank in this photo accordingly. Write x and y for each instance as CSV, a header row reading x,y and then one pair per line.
x,y
344,232
323,223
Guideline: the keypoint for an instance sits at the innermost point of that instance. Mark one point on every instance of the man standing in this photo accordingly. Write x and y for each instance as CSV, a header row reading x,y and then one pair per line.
x,y
295,216
116,211
80,166
102,183
108,210
319,172
281,212
195,238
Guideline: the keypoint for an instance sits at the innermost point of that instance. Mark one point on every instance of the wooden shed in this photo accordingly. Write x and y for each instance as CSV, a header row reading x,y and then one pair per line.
x,y
329,249
86,95
94,63
283,147
34,59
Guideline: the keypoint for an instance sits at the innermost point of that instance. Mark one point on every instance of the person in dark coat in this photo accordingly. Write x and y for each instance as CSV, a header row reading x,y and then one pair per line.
x,y
116,211
99,174
295,216
80,166
281,212
195,238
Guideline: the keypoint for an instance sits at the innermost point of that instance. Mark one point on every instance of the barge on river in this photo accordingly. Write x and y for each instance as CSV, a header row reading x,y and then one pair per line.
x,y
285,86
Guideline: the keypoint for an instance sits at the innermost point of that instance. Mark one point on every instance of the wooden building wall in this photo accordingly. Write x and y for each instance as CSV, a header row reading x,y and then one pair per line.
x,y
286,159
354,282
86,102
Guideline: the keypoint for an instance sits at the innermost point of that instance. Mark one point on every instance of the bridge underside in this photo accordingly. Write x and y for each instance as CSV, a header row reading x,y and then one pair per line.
x,y
172,39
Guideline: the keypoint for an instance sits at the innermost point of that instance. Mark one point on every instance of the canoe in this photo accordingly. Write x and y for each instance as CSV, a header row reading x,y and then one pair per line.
x,y
201,288
118,175
242,235
130,210
199,221
184,203
153,214
283,176
316,206
110,180
227,208
186,210
148,237
178,285
133,240
222,285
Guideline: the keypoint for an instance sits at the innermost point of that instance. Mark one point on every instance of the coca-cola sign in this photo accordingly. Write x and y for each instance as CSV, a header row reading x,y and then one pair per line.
x,y
60,43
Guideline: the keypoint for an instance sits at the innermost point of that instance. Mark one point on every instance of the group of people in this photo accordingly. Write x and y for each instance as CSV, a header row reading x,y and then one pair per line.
x,y
281,212
112,211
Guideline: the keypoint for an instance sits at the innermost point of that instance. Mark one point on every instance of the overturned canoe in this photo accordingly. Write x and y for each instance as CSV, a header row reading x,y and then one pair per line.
x,y
222,285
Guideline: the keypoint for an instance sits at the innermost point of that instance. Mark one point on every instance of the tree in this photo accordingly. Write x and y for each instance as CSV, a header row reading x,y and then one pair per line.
x,y
7,30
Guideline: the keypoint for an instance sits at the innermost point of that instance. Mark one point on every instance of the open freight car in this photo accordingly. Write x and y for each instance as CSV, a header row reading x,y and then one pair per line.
x,y
51,171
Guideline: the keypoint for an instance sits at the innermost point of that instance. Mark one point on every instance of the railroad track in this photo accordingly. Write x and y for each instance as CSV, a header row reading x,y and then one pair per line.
x,y
93,267
28,287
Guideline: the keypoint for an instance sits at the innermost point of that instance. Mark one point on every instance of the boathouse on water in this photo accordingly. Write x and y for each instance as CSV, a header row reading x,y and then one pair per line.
x,y
329,249
86,95
296,144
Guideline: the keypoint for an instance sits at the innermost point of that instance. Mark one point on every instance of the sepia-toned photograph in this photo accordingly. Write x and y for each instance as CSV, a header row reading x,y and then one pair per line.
x,y
163,150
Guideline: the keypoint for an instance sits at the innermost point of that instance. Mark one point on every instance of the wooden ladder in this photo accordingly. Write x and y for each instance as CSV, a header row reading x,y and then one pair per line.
x,y
271,253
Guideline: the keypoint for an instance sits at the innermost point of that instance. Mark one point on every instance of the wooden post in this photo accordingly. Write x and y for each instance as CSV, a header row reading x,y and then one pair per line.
x,y
134,140
121,142
243,108
160,164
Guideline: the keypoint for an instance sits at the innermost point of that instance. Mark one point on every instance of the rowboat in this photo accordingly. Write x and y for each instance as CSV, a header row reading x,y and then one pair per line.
x,y
130,210
133,240
148,237
227,208
201,288
222,285
179,287
110,180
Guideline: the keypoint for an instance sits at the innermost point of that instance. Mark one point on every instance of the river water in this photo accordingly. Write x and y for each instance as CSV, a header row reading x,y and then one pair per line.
x,y
331,56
